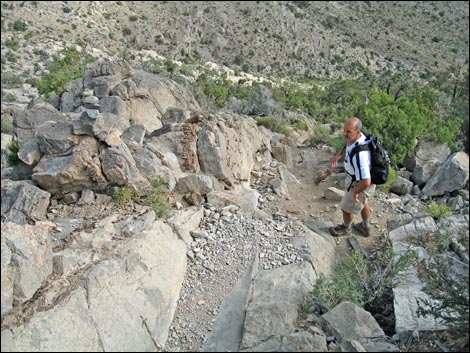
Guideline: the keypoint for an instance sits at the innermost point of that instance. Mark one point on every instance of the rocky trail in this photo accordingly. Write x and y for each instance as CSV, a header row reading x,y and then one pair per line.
x,y
229,241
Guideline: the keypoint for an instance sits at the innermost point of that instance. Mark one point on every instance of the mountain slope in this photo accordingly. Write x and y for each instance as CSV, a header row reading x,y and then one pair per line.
x,y
289,38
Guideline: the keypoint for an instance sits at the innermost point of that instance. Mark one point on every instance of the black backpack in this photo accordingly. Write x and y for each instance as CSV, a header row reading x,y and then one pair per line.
x,y
379,158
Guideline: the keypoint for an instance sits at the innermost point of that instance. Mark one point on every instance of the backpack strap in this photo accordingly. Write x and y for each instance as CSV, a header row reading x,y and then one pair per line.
x,y
355,152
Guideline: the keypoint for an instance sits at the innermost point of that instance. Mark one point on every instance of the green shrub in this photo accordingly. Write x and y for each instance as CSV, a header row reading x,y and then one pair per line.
x,y
156,197
11,43
267,121
11,81
10,56
159,39
154,66
42,53
361,280
170,65
124,194
282,128
19,26
7,125
239,59
438,211
337,143
9,97
392,175
447,285
398,122
299,124
212,91
12,155
70,67
274,124
450,300
321,134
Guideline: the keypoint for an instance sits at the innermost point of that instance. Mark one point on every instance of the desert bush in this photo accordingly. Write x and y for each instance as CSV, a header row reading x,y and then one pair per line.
x,y
322,135
7,125
11,43
267,121
8,97
398,123
438,211
282,128
446,282
299,124
12,155
274,124
124,194
360,280
254,100
392,175
19,26
155,196
62,70
337,143
11,81
210,91
154,66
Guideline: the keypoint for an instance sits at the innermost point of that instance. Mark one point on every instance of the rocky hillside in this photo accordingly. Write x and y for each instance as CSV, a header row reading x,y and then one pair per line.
x,y
282,38
96,256
89,260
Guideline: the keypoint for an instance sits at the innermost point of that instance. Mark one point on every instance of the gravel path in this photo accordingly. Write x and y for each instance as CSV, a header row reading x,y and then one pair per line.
x,y
217,260
227,242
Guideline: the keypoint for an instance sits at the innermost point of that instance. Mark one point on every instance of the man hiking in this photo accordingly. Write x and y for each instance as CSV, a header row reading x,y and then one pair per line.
x,y
361,188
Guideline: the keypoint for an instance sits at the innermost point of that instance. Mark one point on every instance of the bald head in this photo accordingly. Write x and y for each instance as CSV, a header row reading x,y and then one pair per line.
x,y
354,123
352,130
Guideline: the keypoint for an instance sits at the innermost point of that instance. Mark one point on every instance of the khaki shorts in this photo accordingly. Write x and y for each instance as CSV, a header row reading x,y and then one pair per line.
x,y
349,205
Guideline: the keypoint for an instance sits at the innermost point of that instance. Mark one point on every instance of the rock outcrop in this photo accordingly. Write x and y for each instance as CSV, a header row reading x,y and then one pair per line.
x,y
80,272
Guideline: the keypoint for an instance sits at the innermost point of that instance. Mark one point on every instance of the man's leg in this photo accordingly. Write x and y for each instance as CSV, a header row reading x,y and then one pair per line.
x,y
347,203
348,218
363,227
365,215
345,228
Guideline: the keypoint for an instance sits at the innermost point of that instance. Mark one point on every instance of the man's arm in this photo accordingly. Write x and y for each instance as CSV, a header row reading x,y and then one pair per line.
x,y
337,157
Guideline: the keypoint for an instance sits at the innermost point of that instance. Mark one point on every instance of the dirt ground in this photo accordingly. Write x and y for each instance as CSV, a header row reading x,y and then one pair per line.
x,y
306,202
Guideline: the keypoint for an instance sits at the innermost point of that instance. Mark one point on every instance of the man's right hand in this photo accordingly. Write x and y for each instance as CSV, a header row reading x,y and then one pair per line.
x,y
337,157
334,161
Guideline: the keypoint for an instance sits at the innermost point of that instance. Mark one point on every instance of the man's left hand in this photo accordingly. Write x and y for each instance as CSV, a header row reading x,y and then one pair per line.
x,y
356,198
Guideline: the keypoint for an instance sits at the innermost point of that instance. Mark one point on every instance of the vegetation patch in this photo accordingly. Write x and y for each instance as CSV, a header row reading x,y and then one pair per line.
x,y
62,70
361,280
155,197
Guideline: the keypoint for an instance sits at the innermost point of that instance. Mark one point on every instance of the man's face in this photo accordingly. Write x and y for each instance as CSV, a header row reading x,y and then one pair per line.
x,y
350,134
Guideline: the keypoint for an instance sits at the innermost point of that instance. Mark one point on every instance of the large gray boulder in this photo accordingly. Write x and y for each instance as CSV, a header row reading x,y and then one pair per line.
x,y
23,202
451,176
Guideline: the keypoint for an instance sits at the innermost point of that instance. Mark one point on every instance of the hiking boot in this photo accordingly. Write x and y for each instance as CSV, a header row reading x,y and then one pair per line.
x,y
365,232
339,230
